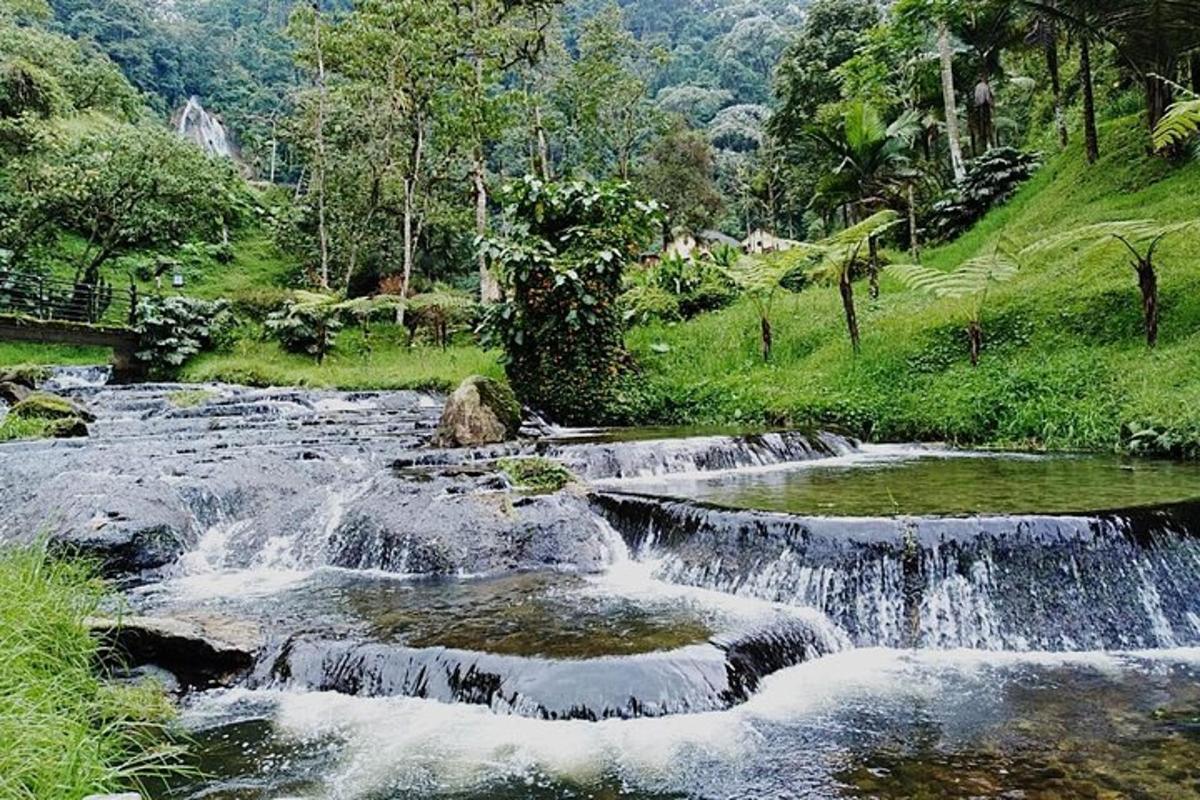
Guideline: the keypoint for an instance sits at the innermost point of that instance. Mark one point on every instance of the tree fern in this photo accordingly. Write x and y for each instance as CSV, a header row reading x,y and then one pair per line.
x,y
970,282
1180,125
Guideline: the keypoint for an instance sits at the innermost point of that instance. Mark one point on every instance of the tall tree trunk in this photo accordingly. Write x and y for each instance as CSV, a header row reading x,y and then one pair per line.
x,y
410,189
1158,99
949,101
847,290
543,147
1195,62
1052,65
914,245
319,169
1091,137
489,287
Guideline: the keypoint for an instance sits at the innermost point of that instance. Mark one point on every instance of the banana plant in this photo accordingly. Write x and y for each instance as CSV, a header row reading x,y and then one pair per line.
x,y
970,282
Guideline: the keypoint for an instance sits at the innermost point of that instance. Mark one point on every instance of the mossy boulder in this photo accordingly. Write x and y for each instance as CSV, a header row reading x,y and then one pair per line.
x,y
43,405
481,411
29,377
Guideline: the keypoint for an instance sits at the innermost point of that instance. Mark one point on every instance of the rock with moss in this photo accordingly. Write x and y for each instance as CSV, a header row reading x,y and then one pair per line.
x,y
52,407
481,411
536,475
13,393
29,377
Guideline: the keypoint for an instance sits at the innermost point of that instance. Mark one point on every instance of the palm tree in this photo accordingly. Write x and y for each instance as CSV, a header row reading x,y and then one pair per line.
x,y
988,28
873,156
1044,33
1081,18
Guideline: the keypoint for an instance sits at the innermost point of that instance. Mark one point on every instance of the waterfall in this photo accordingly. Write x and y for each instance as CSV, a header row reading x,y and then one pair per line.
x,y
195,124
1121,580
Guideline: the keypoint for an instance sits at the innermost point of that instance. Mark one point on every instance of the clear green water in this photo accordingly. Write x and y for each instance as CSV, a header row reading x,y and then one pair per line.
x,y
546,614
892,482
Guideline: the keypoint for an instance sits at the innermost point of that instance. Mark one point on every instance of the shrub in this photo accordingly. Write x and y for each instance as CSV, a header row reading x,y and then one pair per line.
x,y
173,329
563,258
991,180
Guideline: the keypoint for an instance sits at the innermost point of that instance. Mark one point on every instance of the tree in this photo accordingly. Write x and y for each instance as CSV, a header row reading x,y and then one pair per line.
x,y
562,260
1142,239
122,187
762,280
678,173
939,14
970,282
838,256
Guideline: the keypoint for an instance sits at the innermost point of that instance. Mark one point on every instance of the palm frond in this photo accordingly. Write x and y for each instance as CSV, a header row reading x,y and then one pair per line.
x,y
1179,125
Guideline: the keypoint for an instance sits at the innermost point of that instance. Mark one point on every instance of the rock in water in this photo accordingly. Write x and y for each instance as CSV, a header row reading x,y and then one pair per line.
x,y
64,419
13,393
481,411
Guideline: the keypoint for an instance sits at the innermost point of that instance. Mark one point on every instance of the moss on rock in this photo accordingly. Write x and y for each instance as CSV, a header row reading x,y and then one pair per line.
x,y
537,475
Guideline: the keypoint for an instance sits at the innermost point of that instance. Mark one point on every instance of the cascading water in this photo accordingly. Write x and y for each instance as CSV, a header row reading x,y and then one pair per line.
x,y
423,630
195,124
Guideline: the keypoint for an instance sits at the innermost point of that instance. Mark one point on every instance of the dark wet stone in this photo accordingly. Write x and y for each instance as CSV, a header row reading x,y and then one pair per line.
x,y
200,652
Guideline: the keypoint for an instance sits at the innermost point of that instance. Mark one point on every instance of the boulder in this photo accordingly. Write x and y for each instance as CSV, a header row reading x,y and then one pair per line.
x,y
481,411
29,377
43,405
127,524
14,393
202,652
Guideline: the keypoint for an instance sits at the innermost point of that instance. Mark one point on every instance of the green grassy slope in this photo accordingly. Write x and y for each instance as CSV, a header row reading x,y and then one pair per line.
x,y
1064,364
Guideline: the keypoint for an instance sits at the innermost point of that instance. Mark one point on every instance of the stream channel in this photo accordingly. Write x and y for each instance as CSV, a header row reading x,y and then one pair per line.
x,y
352,614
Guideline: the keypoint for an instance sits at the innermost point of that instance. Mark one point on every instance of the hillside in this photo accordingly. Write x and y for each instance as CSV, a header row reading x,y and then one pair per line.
x,y
1063,367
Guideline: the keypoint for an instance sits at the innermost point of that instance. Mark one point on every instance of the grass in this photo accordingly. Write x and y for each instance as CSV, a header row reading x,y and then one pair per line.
x,y
381,360
29,354
1064,366
17,428
190,398
64,732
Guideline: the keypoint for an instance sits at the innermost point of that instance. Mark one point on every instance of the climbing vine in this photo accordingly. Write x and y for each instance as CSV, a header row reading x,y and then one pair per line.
x,y
561,259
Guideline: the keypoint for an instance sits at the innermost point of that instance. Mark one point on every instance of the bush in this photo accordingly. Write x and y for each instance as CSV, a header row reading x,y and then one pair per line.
x,y
991,180
563,257
173,329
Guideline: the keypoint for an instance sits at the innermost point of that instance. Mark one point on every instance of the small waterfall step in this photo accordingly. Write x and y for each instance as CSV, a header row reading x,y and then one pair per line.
x,y
548,645
1116,580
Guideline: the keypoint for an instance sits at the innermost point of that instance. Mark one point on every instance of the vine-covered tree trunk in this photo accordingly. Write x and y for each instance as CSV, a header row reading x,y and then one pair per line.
x,y
1089,101
1158,98
767,339
489,287
847,290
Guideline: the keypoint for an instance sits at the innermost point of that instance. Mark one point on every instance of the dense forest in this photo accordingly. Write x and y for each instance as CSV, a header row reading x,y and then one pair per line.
x,y
398,162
